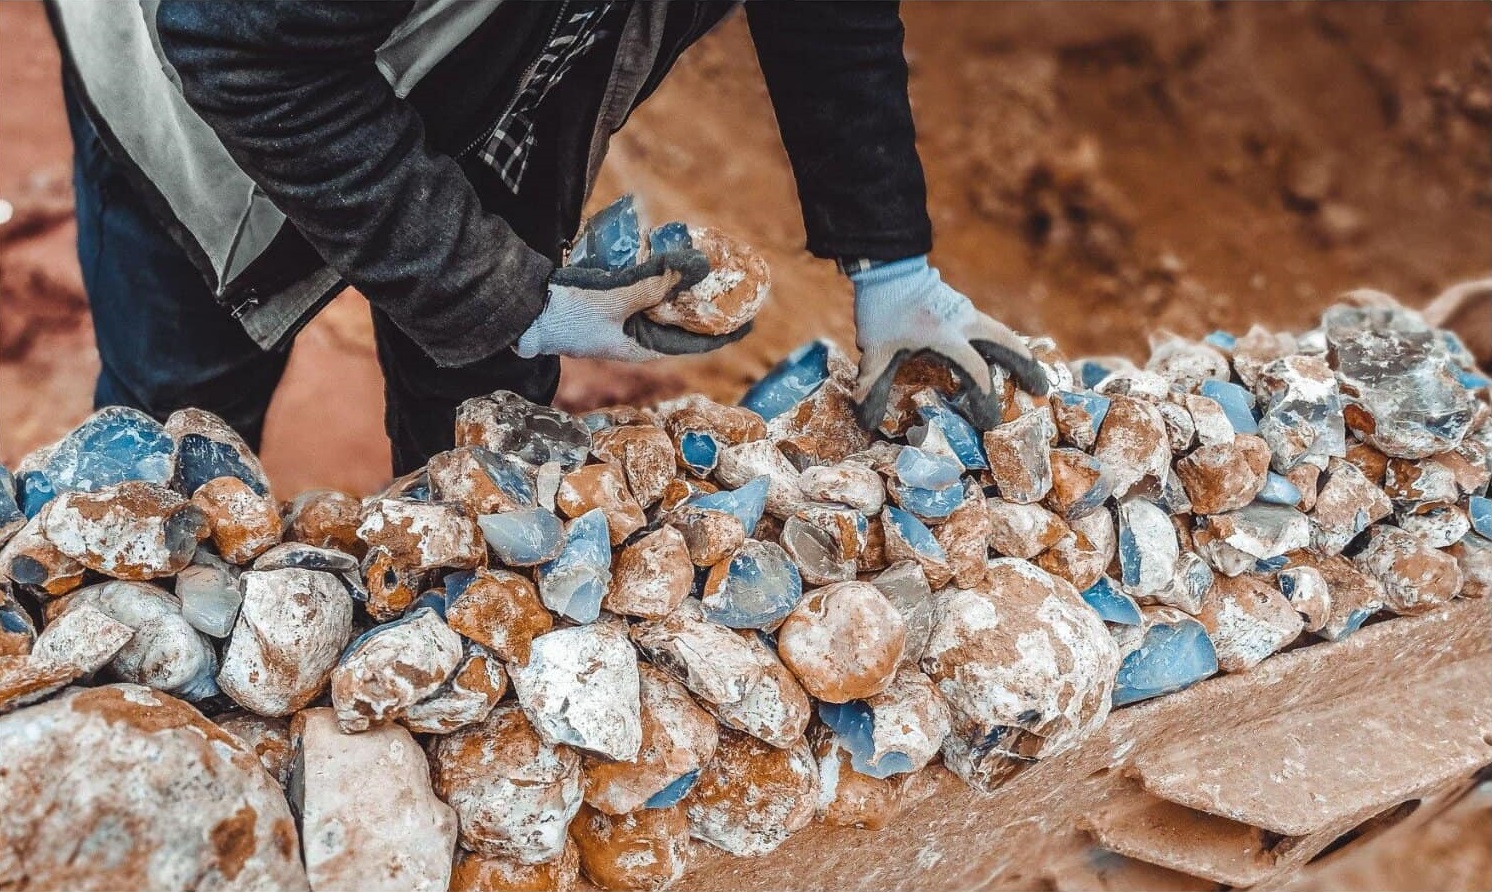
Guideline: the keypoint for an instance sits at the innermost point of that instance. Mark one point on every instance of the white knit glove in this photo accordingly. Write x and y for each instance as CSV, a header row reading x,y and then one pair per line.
x,y
598,313
904,308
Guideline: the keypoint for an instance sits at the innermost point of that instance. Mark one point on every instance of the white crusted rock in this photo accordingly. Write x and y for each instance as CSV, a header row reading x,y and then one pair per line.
x,y
718,665
369,816
1415,577
1247,619
514,795
165,652
132,530
392,667
465,698
843,642
776,709
580,688
293,626
424,535
753,796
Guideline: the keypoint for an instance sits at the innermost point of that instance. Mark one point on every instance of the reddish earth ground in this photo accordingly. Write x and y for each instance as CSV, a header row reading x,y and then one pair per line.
x,y
1097,172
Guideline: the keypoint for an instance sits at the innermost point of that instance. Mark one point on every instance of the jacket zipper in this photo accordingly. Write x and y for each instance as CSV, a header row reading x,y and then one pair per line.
x,y
528,73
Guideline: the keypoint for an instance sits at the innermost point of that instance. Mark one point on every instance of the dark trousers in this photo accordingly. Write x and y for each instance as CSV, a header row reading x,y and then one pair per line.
x,y
166,344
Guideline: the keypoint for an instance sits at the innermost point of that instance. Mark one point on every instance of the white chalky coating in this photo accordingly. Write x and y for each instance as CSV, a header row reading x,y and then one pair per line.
x,y
580,687
293,626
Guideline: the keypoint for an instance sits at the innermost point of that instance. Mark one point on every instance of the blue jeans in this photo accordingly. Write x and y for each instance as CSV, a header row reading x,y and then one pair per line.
x,y
166,344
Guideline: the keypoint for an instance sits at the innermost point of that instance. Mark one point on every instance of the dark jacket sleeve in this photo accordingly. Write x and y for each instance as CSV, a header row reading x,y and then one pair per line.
x,y
838,82
293,92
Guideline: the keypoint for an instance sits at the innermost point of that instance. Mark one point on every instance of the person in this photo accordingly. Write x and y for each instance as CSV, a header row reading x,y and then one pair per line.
x,y
237,163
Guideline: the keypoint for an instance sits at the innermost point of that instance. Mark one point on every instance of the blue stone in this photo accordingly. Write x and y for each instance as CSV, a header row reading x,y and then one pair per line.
x,y
915,533
1479,509
1271,565
756,589
674,793
700,451
925,470
114,445
523,538
790,381
1221,340
509,475
611,239
1111,604
1237,403
1095,404
853,723
200,459
747,502
10,509
1172,656
1278,490
35,490
1354,621
1091,371
933,504
1470,379
957,432
670,237
434,599
574,583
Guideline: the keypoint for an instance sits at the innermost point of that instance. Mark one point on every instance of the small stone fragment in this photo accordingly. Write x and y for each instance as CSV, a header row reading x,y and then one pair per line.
x,y
244,524
848,798
752,796
574,583
965,537
325,518
290,631
1173,653
508,424
601,487
370,818
843,642
849,484
488,873
580,688
1133,443
812,549
1302,412
1473,555
391,667
165,652
206,449
130,530
1148,550
651,576
514,795
740,465
1415,577
1308,593
678,739
755,589
1022,531
909,539
1083,555
1079,416
644,850
897,731
645,455
525,537
1355,596
1237,404
1247,619
267,738
423,535
791,381
482,481
710,536
466,697
1079,484
29,558
391,588
1226,476
718,665
1346,504
1019,454
1111,604
776,709
498,609
1209,421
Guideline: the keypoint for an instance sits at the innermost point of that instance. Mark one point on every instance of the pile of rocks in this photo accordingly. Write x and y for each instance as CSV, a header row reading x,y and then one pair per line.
x,y
572,644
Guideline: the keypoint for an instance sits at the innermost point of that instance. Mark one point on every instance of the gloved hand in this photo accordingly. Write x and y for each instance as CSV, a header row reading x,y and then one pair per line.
x,y
903,308
598,313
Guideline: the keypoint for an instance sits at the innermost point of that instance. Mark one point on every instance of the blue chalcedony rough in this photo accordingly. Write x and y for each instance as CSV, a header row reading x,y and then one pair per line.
x,y
925,470
915,533
1172,656
574,583
509,475
674,793
1111,604
611,239
670,237
1095,404
1221,339
700,451
746,502
957,431
761,587
523,538
34,489
1479,509
1090,372
200,459
790,381
934,504
1278,490
1237,403
114,445
854,724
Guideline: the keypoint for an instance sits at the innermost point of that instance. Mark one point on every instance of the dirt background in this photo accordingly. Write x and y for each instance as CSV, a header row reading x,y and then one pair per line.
x,y
1096,171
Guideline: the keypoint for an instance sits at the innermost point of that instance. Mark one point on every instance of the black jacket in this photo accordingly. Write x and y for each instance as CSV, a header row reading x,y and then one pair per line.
x,y
388,194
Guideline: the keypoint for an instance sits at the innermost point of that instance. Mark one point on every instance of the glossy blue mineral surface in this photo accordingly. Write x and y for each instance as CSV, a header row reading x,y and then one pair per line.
x,y
523,538
1278,490
854,724
114,445
700,451
574,583
610,240
958,433
1237,403
674,793
790,381
670,237
1172,656
1111,604
915,533
1479,509
746,502
760,587
200,459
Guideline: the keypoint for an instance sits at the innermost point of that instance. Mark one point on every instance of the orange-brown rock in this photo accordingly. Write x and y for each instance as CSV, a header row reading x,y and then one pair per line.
x,y
475,872
753,796
726,299
645,454
244,524
843,641
424,535
500,610
325,518
651,576
643,850
677,737
1226,476
601,486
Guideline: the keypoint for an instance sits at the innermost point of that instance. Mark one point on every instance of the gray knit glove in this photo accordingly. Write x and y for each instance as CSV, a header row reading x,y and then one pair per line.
x,y
599,313
904,308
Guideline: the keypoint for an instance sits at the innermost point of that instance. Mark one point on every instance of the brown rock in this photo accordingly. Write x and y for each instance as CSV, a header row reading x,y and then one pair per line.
x,y
460,475
965,537
500,610
1226,476
1247,619
726,299
752,796
1415,577
1078,484
325,518
677,737
645,454
391,586
848,798
268,738
244,524
843,641
709,536
1020,456
1133,442
489,873
1022,531
601,486
424,535
651,576
29,558
132,530
647,849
